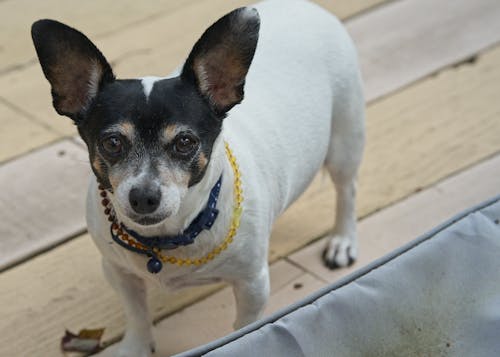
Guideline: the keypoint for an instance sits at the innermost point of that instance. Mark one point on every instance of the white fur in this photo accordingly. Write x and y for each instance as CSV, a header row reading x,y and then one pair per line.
x,y
147,84
303,109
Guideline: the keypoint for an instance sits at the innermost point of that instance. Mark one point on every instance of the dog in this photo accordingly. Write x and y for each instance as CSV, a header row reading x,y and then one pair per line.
x,y
191,170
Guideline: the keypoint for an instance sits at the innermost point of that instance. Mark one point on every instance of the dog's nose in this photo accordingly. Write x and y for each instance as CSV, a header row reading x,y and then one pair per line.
x,y
144,200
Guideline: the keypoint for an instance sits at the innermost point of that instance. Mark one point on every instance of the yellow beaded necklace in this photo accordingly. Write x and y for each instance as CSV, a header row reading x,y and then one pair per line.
x,y
235,223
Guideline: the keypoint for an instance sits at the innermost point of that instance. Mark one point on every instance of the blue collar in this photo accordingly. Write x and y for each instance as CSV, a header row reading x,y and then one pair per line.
x,y
203,221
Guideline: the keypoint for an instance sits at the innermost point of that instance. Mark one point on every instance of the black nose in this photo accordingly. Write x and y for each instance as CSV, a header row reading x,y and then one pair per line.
x,y
144,200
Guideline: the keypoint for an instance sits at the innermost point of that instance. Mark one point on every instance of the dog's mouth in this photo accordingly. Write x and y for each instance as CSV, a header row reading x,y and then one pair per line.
x,y
148,220
137,218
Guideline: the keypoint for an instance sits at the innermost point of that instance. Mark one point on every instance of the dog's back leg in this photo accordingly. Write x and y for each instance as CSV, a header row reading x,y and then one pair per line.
x,y
342,162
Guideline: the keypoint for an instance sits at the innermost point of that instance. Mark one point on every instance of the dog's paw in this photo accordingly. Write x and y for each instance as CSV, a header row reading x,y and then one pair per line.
x,y
132,347
339,252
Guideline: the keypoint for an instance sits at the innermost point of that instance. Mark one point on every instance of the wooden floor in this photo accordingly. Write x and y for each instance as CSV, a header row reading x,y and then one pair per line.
x,y
432,82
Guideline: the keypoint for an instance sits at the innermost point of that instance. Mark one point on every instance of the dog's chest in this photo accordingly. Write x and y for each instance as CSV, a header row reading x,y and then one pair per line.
x,y
171,276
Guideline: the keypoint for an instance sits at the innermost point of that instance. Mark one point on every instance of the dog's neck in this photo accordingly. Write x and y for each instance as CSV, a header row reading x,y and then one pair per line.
x,y
193,203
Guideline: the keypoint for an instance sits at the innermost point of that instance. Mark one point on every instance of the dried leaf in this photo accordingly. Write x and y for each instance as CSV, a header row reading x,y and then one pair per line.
x,y
87,341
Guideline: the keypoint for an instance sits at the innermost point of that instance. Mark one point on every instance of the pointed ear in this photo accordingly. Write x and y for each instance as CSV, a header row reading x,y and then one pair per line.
x,y
219,61
73,65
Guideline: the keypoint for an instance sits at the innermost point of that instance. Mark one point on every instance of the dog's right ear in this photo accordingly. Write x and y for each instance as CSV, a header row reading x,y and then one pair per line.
x,y
72,64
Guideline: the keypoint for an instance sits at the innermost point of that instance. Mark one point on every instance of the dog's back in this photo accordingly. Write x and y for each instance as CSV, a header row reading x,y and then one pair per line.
x,y
302,86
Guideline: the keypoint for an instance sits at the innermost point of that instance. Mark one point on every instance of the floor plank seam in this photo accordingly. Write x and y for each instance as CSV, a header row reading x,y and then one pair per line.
x,y
21,155
469,60
303,268
32,151
427,187
44,250
146,19
367,10
75,139
463,169
18,67
27,115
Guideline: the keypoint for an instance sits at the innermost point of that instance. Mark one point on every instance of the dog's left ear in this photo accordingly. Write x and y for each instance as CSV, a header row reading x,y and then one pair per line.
x,y
219,61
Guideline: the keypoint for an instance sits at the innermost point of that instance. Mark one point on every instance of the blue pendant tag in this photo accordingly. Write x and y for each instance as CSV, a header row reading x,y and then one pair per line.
x,y
154,265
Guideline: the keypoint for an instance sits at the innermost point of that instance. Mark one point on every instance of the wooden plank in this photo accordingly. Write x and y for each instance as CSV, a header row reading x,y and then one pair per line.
x,y
214,315
404,221
154,47
146,55
66,289
100,17
19,134
182,30
42,202
410,39
416,137
344,9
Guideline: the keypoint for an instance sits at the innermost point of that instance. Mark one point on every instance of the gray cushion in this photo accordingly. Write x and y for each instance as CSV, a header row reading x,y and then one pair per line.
x,y
439,295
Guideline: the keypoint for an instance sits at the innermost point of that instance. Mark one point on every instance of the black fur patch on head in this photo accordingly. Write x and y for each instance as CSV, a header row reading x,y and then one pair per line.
x,y
172,102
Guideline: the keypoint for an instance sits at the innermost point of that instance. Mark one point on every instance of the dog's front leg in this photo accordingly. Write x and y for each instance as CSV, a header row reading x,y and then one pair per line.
x,y
251,297
138,340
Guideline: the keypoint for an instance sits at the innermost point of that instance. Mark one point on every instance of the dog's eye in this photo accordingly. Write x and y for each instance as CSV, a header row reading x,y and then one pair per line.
x,y
185,144
112,145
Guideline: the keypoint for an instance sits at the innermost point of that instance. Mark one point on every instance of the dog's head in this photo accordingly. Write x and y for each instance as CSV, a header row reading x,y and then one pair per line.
x,y
150,139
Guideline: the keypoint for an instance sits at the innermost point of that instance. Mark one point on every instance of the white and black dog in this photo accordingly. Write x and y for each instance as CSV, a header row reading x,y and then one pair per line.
x,y
188,182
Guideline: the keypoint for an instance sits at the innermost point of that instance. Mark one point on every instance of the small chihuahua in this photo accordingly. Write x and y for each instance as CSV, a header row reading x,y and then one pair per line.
x,y
188,182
